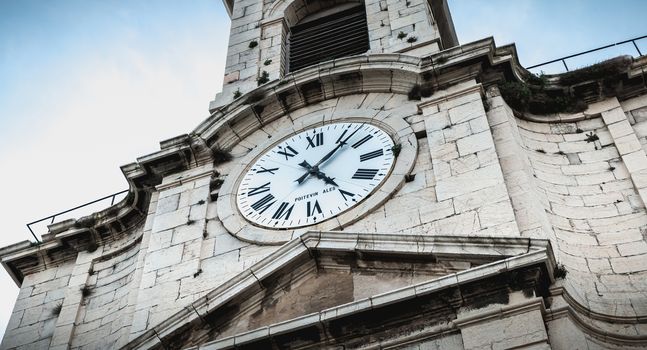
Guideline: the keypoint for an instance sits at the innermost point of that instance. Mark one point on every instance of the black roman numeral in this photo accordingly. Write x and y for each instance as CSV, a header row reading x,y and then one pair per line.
x,y
361,142
317,141
288,152
271,171
257,190
313,207
365,174
262,204
346,193
283,210
371,155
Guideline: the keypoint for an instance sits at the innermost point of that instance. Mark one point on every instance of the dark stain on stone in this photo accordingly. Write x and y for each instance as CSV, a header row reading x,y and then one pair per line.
x,y
312,91
306,336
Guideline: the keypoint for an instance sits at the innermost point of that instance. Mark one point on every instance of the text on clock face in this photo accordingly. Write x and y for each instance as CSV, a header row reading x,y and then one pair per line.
x,y
315,175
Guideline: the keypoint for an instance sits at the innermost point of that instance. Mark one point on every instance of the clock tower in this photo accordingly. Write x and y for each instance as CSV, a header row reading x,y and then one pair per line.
x,y
364,181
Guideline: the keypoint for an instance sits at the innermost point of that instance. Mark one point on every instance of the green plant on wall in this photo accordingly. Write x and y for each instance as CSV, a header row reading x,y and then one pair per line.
x,y
526,98
263,78
599,71
537,97
396,149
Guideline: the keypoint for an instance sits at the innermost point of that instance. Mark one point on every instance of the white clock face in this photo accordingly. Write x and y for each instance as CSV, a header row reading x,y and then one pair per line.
x,y
315,175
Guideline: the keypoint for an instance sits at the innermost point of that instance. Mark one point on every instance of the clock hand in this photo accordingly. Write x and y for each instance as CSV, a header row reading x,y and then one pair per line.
x,y
315,171
303,177
305,164
327,180
327,156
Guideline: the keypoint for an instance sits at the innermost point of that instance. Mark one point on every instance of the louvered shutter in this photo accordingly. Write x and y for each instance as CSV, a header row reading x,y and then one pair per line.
x,y
341,34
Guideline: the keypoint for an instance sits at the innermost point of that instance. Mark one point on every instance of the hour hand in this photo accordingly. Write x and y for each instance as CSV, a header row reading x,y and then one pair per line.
x,y
328,180
303,177
306,165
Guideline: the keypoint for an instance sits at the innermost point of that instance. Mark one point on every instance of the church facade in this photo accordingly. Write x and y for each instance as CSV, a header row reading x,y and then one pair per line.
x,y
364,181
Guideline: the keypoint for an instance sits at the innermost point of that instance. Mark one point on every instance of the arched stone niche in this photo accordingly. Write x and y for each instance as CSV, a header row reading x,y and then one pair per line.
x,y
294,11
283,15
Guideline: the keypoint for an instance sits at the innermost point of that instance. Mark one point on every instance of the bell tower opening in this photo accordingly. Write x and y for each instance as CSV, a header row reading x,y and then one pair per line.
x,y
327,34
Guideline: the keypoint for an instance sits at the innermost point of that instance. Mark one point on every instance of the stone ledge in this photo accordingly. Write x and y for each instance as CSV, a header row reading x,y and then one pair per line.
x,y
501,312
531,252
366,305
68,237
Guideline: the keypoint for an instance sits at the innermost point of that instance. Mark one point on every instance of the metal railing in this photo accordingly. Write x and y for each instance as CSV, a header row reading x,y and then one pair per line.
x,y
563,59
52,218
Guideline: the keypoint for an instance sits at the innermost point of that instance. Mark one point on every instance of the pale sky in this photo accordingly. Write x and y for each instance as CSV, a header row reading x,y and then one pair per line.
x,y
87,86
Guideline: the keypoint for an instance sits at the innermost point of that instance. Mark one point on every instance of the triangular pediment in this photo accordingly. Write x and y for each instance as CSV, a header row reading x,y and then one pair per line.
x,y
326,280
333,276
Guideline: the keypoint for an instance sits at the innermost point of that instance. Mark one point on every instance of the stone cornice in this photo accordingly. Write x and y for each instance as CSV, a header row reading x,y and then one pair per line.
x,y
501,254
598,325
65,239
501,312
449,95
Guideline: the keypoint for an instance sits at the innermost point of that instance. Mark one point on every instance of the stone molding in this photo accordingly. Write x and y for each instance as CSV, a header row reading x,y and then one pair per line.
x,y
65,239
508,254
448,96
590,322
165,185
501,312
504,254
397,128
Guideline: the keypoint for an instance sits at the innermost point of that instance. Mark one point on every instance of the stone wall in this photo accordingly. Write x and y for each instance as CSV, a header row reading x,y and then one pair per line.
x,y
458,187
574,187
477,170
267,24
636,112
104,316
35,313
187,251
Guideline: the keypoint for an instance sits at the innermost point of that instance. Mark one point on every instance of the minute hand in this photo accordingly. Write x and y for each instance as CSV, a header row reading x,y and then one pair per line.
x,y
327,156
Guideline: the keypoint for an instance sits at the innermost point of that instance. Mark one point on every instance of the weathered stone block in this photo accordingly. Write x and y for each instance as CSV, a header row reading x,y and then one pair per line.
x,y
163,258
460,224
635,161
187,233
509,332
168,204
629,264
466,112
469,182
620,129
171,219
